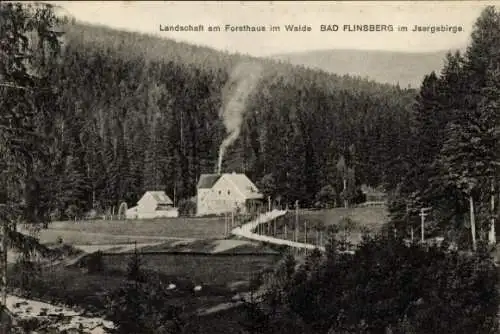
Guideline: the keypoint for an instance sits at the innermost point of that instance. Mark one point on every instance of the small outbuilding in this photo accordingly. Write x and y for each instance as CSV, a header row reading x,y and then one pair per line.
x,y
153,204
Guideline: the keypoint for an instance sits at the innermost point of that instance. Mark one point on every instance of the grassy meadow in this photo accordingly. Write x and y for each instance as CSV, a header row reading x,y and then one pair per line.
x,y
201,269
369,219
111,232
199,228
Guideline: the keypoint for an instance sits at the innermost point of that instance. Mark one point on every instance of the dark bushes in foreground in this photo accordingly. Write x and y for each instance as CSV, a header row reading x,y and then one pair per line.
x,y
143,308
385,285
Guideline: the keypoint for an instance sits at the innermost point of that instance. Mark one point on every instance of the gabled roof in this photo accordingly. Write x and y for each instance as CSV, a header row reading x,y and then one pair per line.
x,y
207,181
160,197
244,185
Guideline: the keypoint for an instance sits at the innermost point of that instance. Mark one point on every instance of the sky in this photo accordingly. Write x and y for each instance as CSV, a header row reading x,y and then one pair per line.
x,y
147,17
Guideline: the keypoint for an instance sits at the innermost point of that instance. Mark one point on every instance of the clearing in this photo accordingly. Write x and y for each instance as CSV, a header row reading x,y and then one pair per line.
x,y
198,228
369,219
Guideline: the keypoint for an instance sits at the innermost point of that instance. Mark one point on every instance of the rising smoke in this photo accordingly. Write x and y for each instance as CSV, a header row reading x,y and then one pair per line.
x,y
242,82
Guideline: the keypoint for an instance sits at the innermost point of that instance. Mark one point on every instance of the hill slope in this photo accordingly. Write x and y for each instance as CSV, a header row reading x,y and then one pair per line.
x,y
382,66
135,112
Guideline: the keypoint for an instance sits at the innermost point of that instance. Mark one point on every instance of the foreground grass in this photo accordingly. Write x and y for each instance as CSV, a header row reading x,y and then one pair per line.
x,y
221,277
88,292
209,270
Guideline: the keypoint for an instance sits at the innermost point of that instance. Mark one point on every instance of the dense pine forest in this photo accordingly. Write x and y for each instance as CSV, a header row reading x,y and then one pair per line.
x,y
108,114
136,112
455,156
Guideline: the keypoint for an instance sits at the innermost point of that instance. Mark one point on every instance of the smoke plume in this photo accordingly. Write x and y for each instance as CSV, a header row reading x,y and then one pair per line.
x,y
242,82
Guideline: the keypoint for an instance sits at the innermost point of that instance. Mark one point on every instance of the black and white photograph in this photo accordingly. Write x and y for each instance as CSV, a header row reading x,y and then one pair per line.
x,y
249,167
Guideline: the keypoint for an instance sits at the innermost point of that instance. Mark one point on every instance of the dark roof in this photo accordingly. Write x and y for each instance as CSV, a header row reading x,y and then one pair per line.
x,y
207,180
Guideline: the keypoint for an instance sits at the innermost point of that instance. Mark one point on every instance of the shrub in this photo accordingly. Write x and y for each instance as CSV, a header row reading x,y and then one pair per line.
x,y
141,308
31,325
187,207
95,263
26,274
326,197
387,285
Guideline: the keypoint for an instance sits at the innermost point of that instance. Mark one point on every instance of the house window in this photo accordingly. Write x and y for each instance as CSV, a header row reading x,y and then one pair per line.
x,y
228,192
220,192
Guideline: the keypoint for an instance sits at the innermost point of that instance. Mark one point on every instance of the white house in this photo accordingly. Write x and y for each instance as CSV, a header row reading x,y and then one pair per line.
x,y
222,193
153,204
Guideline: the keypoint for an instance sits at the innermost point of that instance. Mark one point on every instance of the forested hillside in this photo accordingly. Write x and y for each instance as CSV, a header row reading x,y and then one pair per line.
x,y
139,112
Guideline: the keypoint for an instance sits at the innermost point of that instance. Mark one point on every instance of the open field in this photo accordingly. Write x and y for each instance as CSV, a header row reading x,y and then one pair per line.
x,y
73,237
210,246
198,228
369,220
92,242
171,231
201,269
221,277
72,287
315,238
206,246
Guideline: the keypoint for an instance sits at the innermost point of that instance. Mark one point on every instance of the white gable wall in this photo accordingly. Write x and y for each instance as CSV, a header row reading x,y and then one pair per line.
x,y
222,197
146,209
147,203
226,190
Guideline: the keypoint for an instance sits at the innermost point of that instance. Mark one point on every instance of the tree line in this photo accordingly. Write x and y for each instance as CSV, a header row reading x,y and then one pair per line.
x,y
453,161
95,122
134,112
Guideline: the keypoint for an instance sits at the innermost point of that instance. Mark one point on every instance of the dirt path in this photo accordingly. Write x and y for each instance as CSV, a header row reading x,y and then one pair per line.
x,y
247,229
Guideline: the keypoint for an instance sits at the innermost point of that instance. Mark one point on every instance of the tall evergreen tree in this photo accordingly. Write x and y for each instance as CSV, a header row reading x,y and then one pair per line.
x,y
30,45
456,128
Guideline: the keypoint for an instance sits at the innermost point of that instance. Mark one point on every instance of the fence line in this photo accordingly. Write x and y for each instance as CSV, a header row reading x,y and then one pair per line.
x,y
247,231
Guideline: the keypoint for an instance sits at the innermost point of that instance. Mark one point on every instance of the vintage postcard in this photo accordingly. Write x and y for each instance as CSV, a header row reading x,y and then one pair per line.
x,y
221,167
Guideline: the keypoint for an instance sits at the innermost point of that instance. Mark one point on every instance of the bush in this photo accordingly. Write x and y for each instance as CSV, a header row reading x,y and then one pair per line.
x,y
187,207
387,285
26,274
141,308
94,263
326,197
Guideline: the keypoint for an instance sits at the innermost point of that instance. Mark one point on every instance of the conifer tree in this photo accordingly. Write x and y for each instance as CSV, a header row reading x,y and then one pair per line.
x,y
30,45
470,157
456,127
